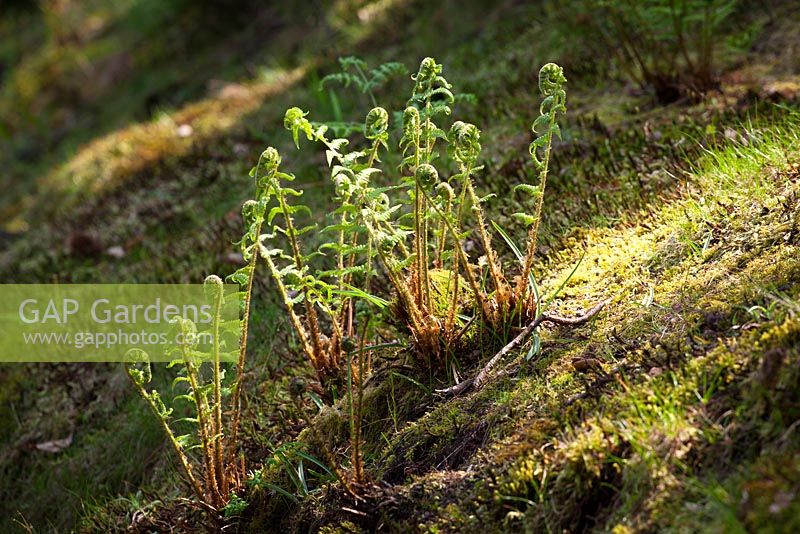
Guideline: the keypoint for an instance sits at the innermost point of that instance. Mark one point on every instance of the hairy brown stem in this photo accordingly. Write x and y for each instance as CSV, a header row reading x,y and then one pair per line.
x,y
533,233
237,386
491,258
202,422
293,317
311,314
222,482
462,256
185,464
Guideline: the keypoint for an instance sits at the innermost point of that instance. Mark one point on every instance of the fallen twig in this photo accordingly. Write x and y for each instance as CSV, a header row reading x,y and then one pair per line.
x,y
480,379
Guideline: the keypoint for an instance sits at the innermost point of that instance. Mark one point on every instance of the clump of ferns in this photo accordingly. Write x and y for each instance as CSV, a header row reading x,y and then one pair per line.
x,y
320,302
442,216
422,246
202,377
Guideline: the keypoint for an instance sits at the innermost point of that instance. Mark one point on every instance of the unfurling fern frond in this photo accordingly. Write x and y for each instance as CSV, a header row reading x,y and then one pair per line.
x,y
376,126
551,85
544,128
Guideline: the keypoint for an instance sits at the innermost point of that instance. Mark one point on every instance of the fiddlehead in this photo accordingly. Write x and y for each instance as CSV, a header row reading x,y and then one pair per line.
x,y
427,176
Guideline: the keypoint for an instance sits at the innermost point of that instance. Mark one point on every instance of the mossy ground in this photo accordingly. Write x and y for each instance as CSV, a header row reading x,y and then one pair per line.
x,y
687,219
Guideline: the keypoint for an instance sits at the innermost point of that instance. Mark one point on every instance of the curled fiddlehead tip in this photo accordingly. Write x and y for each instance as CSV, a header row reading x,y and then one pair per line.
x,y
410,120
411,126
427,175
386,242
270,159
377,123
137,365
213,287
428,70
551,78
344,185
295,121
381,204
213,283
349,344
445,192
292,116
464,141
212,280
266,169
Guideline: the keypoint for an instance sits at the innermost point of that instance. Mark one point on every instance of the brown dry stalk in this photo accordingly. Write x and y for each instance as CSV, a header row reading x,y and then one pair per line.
x,y
482,377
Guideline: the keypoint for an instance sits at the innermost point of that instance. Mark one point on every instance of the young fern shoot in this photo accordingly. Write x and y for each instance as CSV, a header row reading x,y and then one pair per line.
x,y
545,127
355,71
205,393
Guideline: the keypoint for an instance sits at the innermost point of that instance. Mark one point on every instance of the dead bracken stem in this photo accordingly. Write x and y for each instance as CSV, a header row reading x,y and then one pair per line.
x,y
482,377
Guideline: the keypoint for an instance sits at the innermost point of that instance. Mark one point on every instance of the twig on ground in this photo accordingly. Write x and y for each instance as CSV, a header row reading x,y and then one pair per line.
x,y
481,378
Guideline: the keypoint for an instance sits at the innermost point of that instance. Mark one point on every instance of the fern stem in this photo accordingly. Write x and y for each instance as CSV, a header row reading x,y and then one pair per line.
x,y
222,482
494,269
293,317
237,386
184,461
311,313
533,232
359,459
451,313
203,423
462,255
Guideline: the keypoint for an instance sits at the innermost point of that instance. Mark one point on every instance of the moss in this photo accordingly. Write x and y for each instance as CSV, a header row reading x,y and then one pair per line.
x,y
643,441
442,281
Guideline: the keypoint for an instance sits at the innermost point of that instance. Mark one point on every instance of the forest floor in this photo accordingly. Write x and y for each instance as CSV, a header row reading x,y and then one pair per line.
x,y
675,409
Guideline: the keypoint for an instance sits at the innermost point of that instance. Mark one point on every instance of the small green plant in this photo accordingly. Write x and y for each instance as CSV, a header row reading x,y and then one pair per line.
x,y
545,127
235,507
201,376
357,73
295,465
666,45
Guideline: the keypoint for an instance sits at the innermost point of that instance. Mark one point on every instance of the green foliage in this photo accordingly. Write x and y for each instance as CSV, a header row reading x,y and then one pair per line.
x,y
356,72
291,466
417,239
235,507
201,382
409,228
668,45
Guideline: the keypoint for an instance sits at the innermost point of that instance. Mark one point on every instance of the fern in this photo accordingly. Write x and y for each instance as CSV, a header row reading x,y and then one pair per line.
x,y
545,127
410,235
356,72
201,377
665,45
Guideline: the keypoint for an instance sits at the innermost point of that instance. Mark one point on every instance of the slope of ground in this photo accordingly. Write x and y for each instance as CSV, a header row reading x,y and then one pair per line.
x,y
688,218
